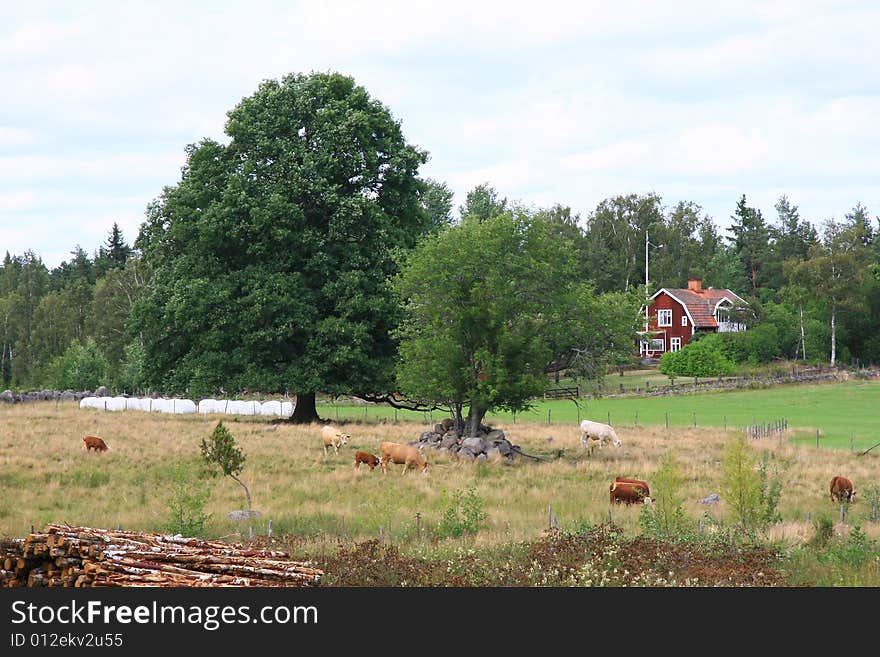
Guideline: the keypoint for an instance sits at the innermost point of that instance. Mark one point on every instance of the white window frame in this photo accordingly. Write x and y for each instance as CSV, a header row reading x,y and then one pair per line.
x,y
654,346
684,320
674,344
661,313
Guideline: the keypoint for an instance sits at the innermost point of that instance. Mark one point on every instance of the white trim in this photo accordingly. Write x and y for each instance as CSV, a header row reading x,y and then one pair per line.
x,y
664,311
677,300
684,320
672,346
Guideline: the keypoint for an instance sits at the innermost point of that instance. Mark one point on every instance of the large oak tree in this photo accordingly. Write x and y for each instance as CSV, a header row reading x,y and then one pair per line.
x,y
271,254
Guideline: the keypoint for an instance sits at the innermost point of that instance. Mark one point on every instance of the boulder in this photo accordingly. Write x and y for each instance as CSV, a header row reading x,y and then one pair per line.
x,y
481,457
449,439
495,436
505,448
101,391
243,514
429,437
439,428
466,453
493,452
67,395
475,444
7,396
447,424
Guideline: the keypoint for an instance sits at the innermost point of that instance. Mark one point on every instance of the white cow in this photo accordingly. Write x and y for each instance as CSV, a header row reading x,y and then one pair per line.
x,y
598,432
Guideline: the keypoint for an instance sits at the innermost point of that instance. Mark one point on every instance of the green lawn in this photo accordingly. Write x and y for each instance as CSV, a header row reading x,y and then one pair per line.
x,y
837,410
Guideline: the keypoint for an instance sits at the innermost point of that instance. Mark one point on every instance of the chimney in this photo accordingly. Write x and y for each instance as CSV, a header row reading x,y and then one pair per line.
x,y
695,285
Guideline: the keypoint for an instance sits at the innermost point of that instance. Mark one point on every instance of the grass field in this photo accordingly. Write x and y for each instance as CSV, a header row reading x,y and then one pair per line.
x,y
46,475
836,410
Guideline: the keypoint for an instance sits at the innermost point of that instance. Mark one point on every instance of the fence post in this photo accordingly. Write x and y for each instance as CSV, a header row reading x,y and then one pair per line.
x,y
842,512
609,417
270,528
850,442
667,421
725,423
418,526
548,416
695,419
514,417
637,418
817,437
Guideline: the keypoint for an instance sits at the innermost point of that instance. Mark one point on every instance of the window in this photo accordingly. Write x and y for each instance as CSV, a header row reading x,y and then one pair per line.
x,y
674,344
684,320
664,317
658,344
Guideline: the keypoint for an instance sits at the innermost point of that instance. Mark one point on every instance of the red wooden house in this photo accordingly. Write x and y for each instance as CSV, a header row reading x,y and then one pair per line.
x,y
674,315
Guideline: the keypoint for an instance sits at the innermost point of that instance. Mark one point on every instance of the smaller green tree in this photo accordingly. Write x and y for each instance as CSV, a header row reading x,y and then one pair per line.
x,y
665,518
223,456
186,504
82,366
741,483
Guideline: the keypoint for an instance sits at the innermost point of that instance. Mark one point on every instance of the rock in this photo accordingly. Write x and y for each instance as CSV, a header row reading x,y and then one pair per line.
x,y
447,424
505,448
429,437
481,457
243,514
7,396
474,444
439,428
493,452
67,395
449,439
464,452
496,435
714,498
101,391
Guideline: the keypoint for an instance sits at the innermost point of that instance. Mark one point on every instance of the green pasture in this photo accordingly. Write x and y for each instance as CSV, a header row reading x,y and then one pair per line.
x,y
838,411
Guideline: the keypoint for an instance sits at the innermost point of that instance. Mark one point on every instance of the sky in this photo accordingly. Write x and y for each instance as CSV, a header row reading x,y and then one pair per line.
x,y
548,102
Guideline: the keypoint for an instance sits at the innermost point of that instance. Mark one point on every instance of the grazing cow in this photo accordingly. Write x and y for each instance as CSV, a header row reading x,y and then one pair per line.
x,y
629,491
842,489
365,457
408,455
95,443
333,438
601,433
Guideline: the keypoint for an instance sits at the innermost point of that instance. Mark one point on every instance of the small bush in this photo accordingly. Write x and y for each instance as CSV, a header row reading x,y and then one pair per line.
x,y
186,504
464,515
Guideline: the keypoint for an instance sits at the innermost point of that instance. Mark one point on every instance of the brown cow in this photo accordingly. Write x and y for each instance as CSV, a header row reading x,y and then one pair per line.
x,y
365,457
405,454
629,491
842,488
93,442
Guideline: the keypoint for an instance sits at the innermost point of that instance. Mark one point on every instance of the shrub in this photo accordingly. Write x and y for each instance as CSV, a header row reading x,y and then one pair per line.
x,y
465,514
703,357
186,504
81,367
665,518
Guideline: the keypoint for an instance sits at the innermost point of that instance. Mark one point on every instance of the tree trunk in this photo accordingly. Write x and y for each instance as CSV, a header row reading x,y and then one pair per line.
x,y
803,338
833,331
305,411
474,420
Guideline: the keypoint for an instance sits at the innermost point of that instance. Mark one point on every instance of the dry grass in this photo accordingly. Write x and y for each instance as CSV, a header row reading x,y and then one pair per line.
x,y
47,476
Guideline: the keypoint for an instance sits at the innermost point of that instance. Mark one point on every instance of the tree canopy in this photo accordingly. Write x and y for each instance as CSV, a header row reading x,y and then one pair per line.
x,y
492,307
271,254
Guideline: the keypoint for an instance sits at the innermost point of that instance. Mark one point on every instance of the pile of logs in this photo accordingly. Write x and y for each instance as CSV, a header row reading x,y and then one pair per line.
x,y
83,556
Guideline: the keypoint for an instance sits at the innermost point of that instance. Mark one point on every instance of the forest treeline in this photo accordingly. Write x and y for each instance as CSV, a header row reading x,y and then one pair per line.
x,y
67,327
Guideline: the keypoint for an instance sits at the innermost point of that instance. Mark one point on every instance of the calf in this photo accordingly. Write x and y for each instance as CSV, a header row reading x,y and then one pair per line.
x,y
408,455
333,438
629,491
95,443
365,457
842,489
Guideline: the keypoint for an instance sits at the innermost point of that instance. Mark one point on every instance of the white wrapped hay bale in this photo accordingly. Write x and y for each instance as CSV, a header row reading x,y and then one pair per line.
x,y
183,406
208,406
115,403
271,408
238,407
